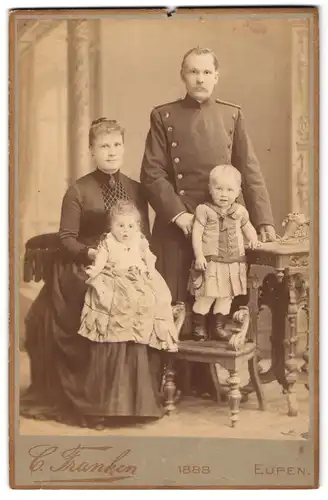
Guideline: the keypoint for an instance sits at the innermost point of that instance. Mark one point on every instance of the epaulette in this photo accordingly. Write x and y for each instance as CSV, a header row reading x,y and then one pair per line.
x,y
228,103
160,106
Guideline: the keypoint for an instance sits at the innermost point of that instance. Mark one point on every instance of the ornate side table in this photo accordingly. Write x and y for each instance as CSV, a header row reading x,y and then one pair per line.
x,y
284,291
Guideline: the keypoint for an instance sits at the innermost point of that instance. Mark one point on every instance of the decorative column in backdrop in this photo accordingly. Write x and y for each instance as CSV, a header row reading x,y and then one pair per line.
x,y
300,116
83,91
301,156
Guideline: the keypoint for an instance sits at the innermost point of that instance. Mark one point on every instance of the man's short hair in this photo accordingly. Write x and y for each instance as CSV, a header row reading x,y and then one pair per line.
x,y
200,51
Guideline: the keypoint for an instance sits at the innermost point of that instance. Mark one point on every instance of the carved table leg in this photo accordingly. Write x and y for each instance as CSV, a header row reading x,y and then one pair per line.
x,y
284,294
234,396
169,387
273,295
295,288
279,331
284,307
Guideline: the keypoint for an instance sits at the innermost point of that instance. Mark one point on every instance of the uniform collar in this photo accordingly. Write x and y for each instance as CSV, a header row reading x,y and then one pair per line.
x,y
189,102
103,178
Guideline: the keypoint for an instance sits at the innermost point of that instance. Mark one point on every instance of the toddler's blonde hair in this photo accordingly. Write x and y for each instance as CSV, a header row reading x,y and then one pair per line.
x,y
223,171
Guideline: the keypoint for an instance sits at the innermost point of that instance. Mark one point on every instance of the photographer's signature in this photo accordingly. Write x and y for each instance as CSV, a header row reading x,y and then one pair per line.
x,y
109,465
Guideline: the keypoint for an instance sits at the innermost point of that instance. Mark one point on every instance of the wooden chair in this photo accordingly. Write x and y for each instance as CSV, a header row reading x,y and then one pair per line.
x,y
232,355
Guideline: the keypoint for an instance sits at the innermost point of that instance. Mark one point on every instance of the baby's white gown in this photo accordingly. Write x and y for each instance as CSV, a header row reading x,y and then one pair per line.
x,y
126,300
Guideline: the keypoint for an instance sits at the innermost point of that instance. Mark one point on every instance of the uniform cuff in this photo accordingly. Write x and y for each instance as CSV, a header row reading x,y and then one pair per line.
x,y
175,218
266,224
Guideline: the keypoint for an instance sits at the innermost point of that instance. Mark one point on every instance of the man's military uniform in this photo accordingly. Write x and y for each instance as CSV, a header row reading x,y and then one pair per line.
x,y
186,140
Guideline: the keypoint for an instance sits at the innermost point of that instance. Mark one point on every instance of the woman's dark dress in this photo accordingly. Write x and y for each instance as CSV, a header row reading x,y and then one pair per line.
x,y
71,375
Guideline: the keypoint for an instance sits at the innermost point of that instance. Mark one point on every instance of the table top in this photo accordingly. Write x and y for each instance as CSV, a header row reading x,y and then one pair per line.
x,y
291,255
278,248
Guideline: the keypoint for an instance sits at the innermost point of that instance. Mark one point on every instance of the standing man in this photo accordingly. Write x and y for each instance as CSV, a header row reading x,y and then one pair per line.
x,y
186,140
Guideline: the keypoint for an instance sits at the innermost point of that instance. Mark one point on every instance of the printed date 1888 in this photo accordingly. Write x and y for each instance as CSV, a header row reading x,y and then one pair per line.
x,y
194,469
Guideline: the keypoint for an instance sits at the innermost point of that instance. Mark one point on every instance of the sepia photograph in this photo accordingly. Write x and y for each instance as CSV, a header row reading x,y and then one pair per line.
x,y
164,248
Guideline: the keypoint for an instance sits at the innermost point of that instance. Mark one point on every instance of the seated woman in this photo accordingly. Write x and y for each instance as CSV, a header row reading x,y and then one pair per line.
x,y
66,368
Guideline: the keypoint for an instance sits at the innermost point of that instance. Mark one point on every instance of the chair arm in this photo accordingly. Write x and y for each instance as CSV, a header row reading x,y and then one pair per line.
x,y
238,338
40,252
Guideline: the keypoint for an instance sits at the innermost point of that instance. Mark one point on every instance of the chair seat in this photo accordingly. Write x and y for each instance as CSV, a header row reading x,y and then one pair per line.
x,y
212,348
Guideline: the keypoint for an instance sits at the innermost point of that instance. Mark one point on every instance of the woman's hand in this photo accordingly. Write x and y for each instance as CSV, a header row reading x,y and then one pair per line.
x,y
200,263
88,270
92,254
